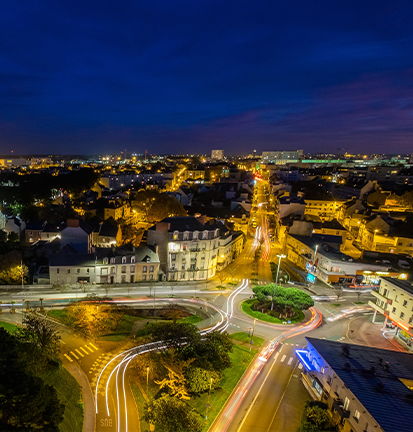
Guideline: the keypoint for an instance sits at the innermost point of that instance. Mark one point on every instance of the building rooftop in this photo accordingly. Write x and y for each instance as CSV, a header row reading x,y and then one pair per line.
x,y
374,376
399,283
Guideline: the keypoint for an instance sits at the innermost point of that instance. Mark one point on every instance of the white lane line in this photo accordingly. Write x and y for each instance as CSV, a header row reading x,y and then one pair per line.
x,y
258,393
74,355
84,350
96,348
90,349
290,361
71,361
283,358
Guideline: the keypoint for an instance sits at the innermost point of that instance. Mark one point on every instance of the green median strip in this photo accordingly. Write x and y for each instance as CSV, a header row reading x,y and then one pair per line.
x,y
247,308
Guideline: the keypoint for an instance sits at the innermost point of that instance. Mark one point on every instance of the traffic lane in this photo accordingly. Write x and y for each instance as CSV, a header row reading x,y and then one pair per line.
x,y
257,410
287,416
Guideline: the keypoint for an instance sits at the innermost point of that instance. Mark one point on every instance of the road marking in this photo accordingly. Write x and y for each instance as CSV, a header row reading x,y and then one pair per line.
x,y
71,361
283,358
96,348
258,392
81,355
90,349
290,361
84,350
300,366
74,355
62,341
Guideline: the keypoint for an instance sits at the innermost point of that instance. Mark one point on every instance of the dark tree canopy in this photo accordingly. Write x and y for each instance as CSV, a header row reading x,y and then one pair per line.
x,y
26,403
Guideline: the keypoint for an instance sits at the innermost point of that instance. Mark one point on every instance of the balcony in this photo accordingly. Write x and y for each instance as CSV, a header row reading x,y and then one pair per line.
x,y
380,296
339,407
378,308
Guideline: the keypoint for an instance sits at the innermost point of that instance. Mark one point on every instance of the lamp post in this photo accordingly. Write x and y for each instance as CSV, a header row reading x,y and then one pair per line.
x,y
276,278
147,380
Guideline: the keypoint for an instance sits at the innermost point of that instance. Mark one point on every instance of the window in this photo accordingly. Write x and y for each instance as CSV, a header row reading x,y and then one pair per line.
x,y
183,266
182,275
105,260
68,270
151,269
175,235
396,299
123,260
145,269
394,310
173,257
78,271
57,271
112,270
195,235
132,269
205,235
123,279
133,259
401,315
184,247
87,271
346,403
322,370
405,303
357,416
186,235
144,277
112,260
123,269
151,277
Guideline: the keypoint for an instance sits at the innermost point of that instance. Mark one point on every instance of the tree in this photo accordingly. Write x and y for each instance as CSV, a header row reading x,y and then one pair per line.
x,y
199,379
338,291
211,352
26,403
172,415
175,379
11,269
222,276
131,235
41,338
93,319
155,206
317,416
174,334
62,287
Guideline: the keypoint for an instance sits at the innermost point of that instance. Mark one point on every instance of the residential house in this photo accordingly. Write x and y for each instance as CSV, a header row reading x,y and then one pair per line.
x,y
107,235
78,234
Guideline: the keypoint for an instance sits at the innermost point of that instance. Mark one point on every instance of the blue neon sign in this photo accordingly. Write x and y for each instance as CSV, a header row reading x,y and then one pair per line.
x,y
303,357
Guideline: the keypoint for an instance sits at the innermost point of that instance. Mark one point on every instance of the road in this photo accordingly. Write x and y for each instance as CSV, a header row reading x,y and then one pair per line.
x,y
269,395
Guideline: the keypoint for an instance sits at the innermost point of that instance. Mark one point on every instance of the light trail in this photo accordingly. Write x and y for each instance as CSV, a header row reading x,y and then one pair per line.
x,y
224,419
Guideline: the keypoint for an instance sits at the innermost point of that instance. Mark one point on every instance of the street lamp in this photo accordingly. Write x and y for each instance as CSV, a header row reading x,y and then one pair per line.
x,y
147,380
276,278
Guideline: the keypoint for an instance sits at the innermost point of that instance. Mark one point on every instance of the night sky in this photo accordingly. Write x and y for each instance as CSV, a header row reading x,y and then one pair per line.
x,y
188,76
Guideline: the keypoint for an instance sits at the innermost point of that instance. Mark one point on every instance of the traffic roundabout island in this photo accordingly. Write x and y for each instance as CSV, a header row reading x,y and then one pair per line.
x,y
262,312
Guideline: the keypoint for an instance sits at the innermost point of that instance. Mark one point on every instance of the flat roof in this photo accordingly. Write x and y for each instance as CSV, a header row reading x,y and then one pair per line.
x,y
374,376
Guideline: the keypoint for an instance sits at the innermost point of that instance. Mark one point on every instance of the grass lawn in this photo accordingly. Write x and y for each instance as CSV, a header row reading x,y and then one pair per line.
x,y
122,332
243,337
11,328
70,395
246,307
192,319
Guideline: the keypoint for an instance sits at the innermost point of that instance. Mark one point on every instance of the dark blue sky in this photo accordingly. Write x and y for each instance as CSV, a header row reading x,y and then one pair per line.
x,y
188,76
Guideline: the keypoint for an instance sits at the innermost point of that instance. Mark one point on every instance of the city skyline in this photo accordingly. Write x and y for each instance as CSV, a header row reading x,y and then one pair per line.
x,y
193,77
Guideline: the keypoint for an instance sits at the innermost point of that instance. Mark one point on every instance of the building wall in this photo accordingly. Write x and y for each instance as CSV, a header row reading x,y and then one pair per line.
x,y
78,238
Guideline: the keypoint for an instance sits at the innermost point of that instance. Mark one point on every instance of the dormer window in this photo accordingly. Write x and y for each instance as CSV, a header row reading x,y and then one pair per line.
x,y
195,235
176,234
132,259
217,232
112,260
186,235
105,260
123,260
205,235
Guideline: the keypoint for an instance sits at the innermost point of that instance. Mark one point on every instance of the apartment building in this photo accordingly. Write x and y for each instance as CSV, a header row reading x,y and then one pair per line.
x,y
366,389
394,301
188,249
122,265
326,210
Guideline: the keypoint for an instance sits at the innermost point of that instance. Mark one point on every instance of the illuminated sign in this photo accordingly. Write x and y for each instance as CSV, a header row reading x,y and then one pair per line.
x,y
303,357
311,278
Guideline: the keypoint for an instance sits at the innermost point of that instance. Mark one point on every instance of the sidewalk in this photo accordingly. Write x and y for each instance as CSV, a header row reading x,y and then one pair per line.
x,y
89,415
